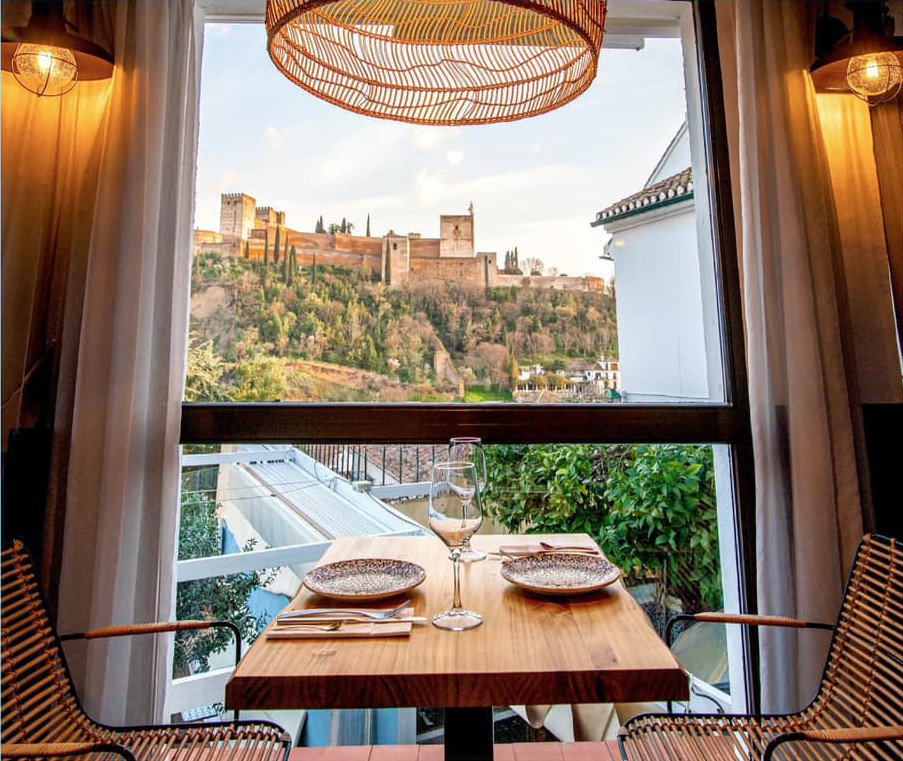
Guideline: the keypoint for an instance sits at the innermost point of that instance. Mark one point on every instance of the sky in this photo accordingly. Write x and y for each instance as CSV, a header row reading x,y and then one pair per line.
x,y
535,183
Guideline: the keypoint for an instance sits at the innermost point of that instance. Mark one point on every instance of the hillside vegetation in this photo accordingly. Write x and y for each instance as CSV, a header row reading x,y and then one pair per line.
x,y
278,331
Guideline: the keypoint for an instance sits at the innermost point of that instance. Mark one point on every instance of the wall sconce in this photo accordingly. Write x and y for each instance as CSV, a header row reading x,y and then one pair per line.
x,y
866,60
46,59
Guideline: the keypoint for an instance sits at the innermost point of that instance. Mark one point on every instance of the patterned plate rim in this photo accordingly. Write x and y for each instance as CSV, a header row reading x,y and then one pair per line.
x,y
612,576
314,586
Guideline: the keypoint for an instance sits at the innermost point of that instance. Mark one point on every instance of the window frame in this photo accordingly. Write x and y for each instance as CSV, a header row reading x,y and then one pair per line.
x,y
725,422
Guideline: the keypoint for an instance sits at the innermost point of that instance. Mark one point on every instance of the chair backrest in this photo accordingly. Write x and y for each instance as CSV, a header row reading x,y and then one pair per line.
x,y
39,702
863,678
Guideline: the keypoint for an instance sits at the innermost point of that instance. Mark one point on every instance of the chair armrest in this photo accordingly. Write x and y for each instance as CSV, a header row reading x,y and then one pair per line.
x,y
151,628
849,735
35,750
746,619
158,627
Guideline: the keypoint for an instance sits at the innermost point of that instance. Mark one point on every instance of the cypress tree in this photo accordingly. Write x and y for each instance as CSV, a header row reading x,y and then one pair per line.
x,y
285,248
247,249
344,227
293,264
276,247
368,225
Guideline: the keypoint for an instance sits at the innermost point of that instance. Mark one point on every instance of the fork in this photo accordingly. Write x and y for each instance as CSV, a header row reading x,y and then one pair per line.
x,y
364,613
569,548
339,623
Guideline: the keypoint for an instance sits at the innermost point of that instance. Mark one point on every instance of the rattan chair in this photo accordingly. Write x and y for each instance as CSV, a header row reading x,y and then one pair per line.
x,y
42,717
857,712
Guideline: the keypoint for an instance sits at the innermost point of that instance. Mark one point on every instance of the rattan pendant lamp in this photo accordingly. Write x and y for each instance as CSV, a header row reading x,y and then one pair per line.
x,y
438,62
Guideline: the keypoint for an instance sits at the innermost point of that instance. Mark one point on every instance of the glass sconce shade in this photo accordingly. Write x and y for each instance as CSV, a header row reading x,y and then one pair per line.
x,y
45,70
875,77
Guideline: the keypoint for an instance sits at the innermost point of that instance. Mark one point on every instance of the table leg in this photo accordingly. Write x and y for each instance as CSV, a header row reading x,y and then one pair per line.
x,y
468,734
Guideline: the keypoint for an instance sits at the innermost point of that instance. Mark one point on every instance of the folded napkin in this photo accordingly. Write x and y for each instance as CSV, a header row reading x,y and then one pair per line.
x,y
316,626
348,630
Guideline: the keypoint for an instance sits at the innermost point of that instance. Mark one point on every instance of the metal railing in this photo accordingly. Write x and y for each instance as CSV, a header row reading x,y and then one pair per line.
x,y
382,465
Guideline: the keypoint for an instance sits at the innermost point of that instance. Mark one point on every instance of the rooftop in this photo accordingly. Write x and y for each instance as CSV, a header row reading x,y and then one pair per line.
x,y
678,187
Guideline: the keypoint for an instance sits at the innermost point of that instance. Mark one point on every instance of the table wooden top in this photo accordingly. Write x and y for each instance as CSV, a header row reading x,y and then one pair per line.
x,y
530,649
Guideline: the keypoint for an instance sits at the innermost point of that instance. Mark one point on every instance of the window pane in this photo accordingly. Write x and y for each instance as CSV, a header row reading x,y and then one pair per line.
x,y
559,259
260,517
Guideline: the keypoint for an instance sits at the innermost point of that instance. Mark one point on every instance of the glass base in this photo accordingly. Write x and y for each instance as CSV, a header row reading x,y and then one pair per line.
x,y
470,555
457,620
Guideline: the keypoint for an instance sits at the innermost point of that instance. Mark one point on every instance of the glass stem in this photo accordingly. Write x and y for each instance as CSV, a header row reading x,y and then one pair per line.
x,y
456,564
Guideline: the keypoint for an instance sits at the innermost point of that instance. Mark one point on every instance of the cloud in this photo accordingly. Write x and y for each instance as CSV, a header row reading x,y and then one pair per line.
x,y
274,138
429,189
430,138
454,157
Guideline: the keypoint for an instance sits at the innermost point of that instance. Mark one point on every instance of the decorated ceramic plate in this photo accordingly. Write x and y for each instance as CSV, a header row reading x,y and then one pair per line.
x,y
560,573
364,578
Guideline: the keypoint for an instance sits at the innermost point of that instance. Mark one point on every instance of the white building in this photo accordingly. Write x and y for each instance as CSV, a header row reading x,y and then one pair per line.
x,y
667,317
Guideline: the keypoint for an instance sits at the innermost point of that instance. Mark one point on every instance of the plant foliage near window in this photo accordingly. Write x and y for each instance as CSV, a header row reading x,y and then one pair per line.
x,y
651,508
223,598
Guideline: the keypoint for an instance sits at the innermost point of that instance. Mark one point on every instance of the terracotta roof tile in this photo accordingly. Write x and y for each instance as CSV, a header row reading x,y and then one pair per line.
x,y
671,189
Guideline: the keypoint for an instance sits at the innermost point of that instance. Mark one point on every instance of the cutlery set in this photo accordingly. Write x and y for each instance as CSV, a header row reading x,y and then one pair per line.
x,y
362,620
539,549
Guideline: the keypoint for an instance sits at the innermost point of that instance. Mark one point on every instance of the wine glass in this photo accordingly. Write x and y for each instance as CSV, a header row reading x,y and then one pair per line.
x,y
454,515
470,449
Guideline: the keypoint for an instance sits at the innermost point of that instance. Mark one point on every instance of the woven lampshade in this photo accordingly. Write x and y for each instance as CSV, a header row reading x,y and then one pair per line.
x,y
439,62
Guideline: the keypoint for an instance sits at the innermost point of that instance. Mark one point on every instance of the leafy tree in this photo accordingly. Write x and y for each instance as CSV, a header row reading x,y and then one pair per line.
x,y
205,375
534,265
223,598
663,517
260,379
651,507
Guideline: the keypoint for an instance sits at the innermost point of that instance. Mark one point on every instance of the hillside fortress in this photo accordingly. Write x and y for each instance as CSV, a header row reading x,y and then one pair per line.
x,y
249,231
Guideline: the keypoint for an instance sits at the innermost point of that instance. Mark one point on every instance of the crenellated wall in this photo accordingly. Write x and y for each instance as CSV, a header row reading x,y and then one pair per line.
x,y
397,259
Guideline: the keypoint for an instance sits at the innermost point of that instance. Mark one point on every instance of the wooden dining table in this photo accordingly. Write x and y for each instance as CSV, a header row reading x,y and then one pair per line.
x,y
531,648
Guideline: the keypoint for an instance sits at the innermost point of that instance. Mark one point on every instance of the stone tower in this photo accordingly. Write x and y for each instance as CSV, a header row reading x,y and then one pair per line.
x,y
236,216
456,236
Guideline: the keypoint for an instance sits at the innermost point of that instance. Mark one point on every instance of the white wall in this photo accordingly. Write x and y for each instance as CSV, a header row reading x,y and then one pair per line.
x,y
661,338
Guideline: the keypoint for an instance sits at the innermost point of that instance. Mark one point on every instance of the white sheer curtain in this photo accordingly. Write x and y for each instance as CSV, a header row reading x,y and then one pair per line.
x,y
847,129
808,505
119,541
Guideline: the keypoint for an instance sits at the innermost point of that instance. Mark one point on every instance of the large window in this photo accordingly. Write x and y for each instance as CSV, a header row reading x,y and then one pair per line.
x,y
561,287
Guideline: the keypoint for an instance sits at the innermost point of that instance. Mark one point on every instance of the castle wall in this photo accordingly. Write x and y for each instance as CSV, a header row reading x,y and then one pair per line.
x,y
456,236
470,272
425,248
228,248
558,282
339,250
207,236
237,215
397,259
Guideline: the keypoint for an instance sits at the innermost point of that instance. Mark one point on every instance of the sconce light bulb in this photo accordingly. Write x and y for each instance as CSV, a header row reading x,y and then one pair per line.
x,y
875,77
44,70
